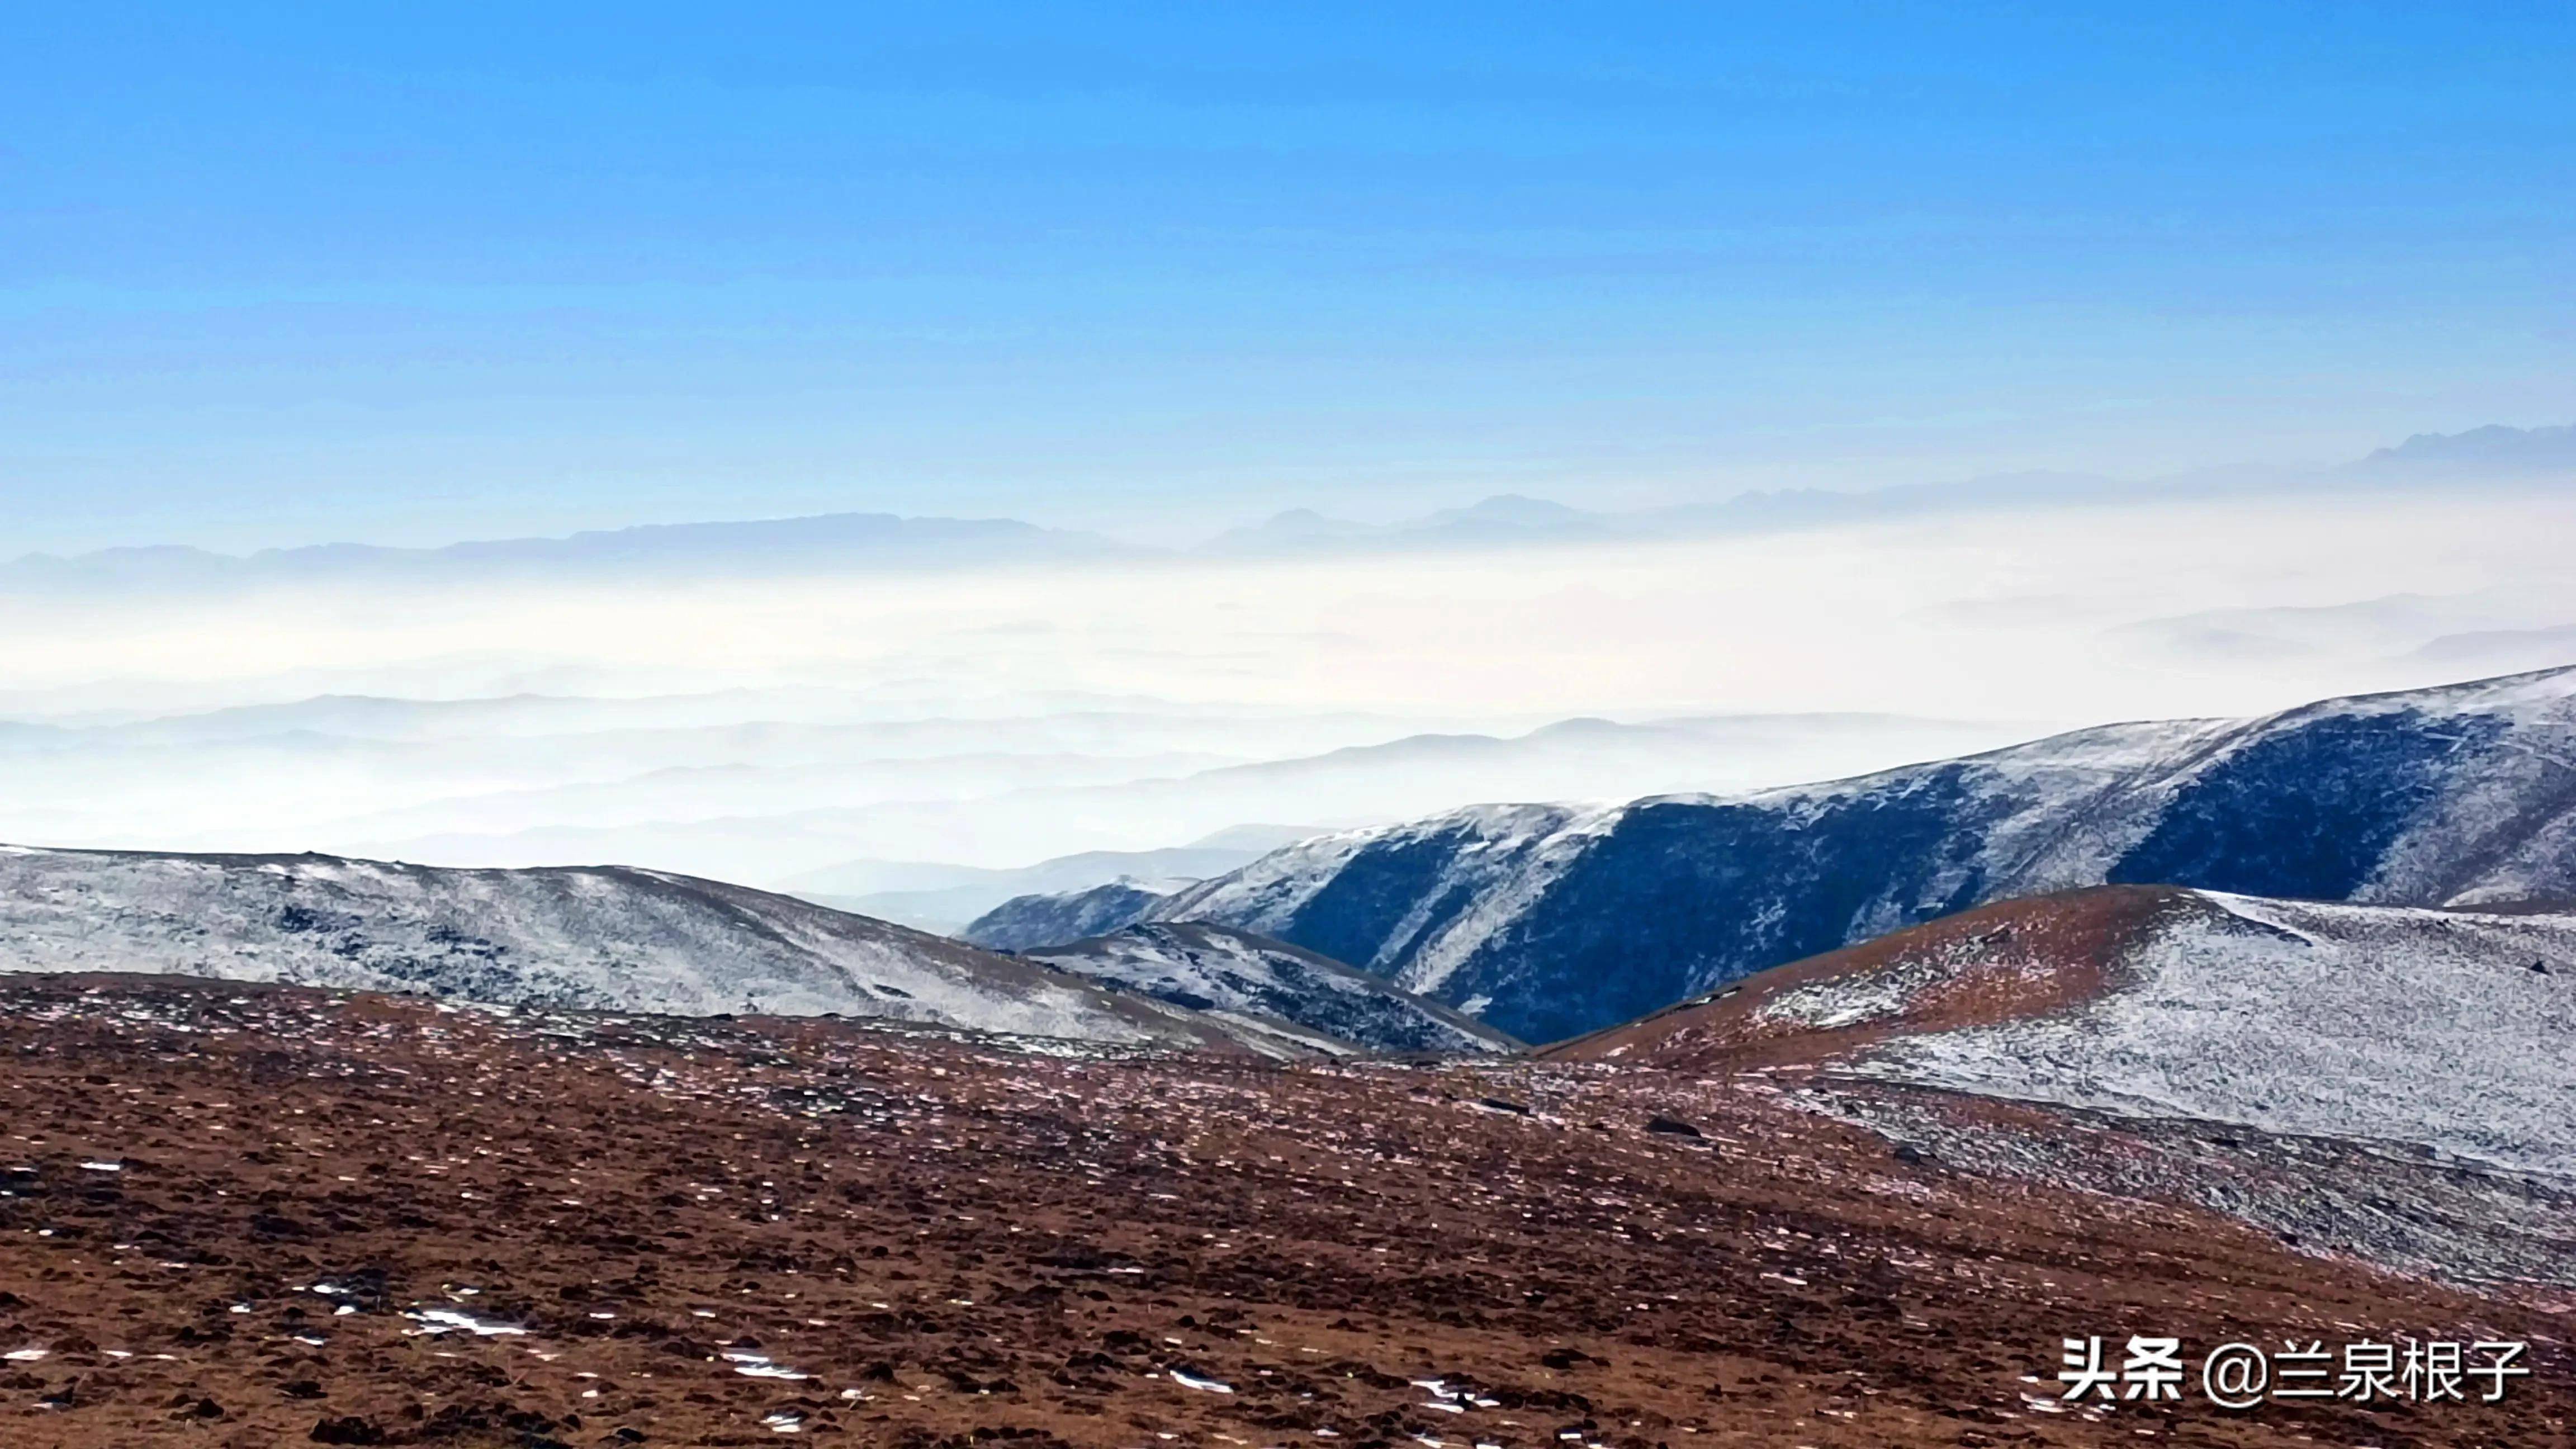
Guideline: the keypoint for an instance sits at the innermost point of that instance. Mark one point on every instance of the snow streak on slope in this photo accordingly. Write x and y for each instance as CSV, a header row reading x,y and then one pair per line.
x,y
605,938
2444,1029
1234,977
1419,895
2430,1027
1548,921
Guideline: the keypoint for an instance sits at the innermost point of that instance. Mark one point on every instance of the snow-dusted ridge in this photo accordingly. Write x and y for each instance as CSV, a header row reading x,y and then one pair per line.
x,y
2422,1034
2443,1029
604,937
1553,920
1029,922
1314,1005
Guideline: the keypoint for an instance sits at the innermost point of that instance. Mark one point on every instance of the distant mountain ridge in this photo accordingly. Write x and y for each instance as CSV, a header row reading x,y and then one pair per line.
x,y
1549,920
835,542
2493,448
2488,454
842,854
876,541
1504,518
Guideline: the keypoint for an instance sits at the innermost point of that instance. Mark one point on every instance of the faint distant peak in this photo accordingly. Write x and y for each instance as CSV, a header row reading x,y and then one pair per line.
x,y
1295,528
1503,517
1508,510
2493,448
1256,836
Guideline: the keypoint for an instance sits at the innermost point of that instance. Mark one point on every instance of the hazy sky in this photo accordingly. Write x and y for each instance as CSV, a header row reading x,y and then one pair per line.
x,y
276,274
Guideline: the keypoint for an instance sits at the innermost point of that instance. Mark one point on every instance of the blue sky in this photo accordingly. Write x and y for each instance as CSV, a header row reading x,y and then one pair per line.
x,y
275,274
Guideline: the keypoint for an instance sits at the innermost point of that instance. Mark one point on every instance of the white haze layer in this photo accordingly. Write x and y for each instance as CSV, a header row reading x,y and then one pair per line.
x,y
759,729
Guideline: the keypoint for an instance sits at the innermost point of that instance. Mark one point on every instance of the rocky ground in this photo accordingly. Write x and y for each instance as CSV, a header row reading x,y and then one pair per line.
x,y
259,1216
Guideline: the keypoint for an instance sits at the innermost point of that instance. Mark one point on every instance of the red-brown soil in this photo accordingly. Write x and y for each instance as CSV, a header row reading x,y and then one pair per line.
x,y
2016,958
962,1244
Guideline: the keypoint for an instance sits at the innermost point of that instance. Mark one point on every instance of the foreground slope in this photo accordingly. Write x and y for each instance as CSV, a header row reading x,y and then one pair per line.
x,y
2446,1032
1249,983
368,1221
1550,920
606,937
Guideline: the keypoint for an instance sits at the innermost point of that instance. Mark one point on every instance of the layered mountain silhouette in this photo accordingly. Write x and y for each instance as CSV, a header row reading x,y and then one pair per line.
x,y
2492,449
877,542
823,542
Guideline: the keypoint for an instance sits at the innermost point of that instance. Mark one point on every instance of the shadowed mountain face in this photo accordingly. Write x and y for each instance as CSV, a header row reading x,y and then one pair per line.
x,y
606,938
1251,984
2310,811
1549,921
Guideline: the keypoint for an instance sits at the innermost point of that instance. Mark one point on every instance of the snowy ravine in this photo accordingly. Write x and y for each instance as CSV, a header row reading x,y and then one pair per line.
x,y
2447,1030
1250,985
1551,920
605,937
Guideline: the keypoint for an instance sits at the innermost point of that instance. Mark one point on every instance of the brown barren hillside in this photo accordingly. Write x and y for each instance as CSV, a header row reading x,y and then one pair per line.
x,y
2015,959
2382,1081
256,1216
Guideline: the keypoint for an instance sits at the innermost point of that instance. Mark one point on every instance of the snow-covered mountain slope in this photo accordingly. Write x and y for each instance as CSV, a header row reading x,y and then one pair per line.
x,y
1025,923
1236,978
1548,921
2444,1030
607,938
